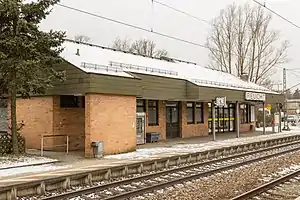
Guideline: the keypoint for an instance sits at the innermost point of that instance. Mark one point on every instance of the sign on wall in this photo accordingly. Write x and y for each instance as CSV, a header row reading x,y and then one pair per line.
x,y
220,101
253,96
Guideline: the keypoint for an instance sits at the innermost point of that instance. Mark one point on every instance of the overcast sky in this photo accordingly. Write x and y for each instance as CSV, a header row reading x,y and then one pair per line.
x,y
164,20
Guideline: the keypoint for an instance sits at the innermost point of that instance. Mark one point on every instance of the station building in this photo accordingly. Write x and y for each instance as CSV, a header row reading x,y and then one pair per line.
x,y
105,89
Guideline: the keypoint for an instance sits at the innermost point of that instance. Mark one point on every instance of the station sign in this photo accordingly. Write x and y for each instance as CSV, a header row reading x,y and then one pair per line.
x,y
253,96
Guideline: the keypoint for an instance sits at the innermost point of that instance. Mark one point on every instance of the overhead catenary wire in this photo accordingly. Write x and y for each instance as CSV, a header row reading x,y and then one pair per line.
x,y
277,14
143,29
182,12
133,26
296,84
290,22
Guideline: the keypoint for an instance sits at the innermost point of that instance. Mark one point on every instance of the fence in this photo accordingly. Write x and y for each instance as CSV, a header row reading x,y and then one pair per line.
x,y
6,144
53,136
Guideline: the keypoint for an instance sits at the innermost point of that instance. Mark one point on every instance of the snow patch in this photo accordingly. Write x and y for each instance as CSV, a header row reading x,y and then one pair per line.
x,y
23,170
9,161
193,148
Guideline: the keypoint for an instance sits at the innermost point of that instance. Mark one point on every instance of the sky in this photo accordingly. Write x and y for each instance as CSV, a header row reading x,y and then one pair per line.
x,y
144,14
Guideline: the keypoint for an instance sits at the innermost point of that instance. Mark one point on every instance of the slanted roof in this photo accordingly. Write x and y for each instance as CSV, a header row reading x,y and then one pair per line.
x,y
95,59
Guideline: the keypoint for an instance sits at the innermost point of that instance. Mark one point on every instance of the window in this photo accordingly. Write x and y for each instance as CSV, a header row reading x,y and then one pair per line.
x,y
190,113
140,105
152,113
70,101
199,113
244,113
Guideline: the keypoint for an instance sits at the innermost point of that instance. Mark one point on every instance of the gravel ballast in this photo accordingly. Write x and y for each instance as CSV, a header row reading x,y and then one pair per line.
x,y
230,183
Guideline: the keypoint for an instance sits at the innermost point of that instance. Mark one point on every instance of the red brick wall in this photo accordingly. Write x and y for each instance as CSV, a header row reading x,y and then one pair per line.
x,y
111,119
37,114
69,121
193,130
161,128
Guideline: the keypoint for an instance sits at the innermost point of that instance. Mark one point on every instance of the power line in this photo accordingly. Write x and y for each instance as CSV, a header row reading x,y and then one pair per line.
x,y
295,69
181,11
277,14
134,26
296,84
143,29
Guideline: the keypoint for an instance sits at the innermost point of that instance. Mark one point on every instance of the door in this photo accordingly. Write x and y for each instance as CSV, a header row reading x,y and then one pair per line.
x,y
232,118
140,128
172,120
224,118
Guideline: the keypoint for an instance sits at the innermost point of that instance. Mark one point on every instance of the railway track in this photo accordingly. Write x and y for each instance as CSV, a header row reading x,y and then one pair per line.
x,y
138,185
286,187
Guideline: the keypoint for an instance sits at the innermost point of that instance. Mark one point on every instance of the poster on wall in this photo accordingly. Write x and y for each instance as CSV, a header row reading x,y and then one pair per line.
x,y
252,111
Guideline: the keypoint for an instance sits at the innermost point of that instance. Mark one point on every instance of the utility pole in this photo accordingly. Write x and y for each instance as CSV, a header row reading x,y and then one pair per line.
x,y
286,124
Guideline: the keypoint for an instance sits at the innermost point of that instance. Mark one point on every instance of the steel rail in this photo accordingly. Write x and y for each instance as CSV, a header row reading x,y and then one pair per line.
x,y
95,189
265,187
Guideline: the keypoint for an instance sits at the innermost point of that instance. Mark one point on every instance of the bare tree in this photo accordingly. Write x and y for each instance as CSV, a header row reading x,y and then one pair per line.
x,y
142,47
241,41
82,38
122,45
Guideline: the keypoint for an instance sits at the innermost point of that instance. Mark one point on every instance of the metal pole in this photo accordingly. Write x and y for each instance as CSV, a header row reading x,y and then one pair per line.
x,y
286,124
42,145
280,118
237,119
67,144
264,118
213,125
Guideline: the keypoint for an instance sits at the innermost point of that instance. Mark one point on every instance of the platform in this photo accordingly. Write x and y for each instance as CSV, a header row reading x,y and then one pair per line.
x,y
74,161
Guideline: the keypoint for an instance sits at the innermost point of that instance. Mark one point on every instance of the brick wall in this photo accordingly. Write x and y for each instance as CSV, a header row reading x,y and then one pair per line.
x,y
111,119
68,121
37,115
244,128
161,128
193,130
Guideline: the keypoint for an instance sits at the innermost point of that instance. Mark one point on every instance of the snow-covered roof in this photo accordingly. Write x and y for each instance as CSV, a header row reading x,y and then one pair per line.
x,y
94,59
293,100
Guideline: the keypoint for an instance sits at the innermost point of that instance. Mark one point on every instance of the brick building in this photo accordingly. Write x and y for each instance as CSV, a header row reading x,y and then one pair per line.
x,y
293,106
106,88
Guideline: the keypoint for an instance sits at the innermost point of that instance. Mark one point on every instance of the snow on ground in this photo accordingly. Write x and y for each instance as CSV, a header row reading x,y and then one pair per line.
x,y
293,128
11,161
24,170
192,148
11,165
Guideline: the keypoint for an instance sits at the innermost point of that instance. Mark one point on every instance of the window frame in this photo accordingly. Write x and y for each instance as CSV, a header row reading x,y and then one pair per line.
x,y
143,106
243,114
201,112
193,112
156,113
